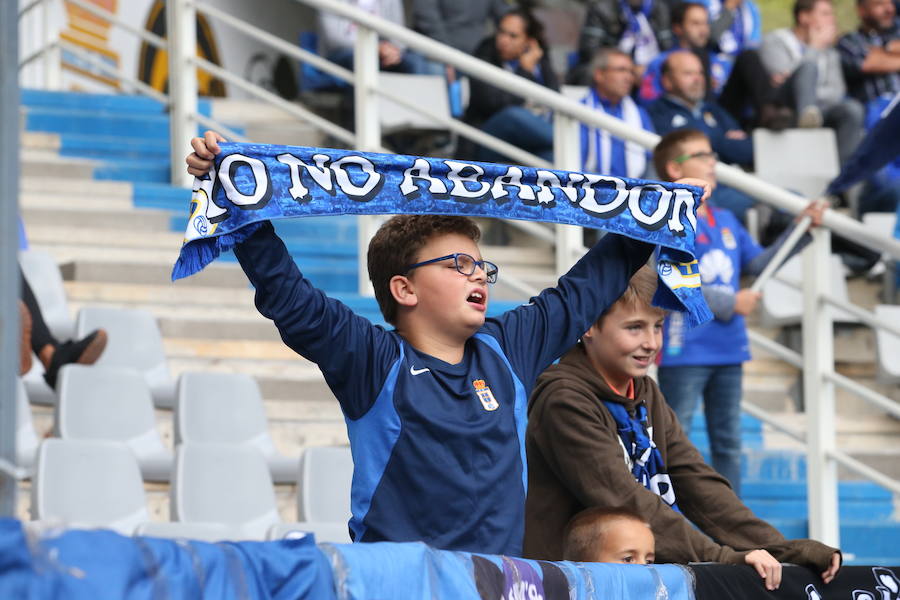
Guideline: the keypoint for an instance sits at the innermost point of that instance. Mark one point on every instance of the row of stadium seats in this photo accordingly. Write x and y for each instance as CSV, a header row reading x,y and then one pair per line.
x,y
218,491
114,404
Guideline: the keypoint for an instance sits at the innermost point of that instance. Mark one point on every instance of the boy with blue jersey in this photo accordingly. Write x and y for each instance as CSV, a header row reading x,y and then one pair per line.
x,y
707,361
436,408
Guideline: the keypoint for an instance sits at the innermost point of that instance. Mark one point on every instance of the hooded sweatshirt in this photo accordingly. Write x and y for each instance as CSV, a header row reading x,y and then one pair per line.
x,y
576,461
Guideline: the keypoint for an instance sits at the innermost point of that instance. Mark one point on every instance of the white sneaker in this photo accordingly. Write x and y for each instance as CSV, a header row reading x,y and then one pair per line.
x,y
810,118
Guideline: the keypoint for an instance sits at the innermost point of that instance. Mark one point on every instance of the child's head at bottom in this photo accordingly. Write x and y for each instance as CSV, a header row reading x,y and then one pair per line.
x,y
610,535
404,241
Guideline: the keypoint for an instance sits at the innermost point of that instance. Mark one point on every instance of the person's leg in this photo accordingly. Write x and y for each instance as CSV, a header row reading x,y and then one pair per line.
x,y
800,92
846,118
520,127
42,341
749,89
682,388
722,403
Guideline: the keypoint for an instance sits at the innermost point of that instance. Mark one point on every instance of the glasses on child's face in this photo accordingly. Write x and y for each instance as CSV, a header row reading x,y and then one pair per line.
x,y
465,265
701,155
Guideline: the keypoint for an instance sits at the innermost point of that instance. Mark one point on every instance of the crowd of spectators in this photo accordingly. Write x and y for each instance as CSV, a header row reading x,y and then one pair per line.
x,y
663,65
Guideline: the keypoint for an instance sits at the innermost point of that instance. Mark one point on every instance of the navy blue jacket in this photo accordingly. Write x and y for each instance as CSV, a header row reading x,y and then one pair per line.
x,y
438,449
713,120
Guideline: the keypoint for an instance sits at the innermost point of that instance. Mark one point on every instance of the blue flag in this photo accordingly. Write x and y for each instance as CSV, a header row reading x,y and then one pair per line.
x,y
251,183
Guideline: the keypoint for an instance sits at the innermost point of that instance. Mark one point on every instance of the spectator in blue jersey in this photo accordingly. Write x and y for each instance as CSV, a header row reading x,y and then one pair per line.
x,y
736,25
639,28
601,437
804,57
690,28
706,362
871,55
610,94
519,47
435,408
683,107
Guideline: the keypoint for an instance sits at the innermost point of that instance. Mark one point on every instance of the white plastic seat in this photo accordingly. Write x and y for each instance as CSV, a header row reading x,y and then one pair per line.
x,y
335,533
880,223
88,484
134,341
428,91
228,408
888,344
326,474
801,160
112,403
46,282
782,304
224,483
26,437
205,532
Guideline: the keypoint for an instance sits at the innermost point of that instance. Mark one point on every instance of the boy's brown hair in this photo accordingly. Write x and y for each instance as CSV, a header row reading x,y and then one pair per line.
x,y
585,531
641,288
670,147
397,242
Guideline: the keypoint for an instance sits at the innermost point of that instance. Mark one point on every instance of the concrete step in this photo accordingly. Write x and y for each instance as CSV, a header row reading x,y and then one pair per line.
x,y
110,218
75,186
47,163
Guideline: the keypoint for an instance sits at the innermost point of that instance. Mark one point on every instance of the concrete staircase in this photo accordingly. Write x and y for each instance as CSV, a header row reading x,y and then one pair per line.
x,y
93,194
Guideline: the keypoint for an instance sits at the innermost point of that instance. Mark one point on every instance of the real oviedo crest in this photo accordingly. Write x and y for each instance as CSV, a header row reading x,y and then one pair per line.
x,y
485,395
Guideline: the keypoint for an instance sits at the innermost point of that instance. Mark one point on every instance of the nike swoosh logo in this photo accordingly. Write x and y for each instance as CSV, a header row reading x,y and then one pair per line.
x,y
415,371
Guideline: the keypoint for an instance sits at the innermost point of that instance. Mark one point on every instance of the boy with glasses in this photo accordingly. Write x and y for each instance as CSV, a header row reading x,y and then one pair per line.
x,y
435,408
707,361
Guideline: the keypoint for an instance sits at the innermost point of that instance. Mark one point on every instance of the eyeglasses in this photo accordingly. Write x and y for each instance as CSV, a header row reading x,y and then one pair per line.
x,y
464,264
703,155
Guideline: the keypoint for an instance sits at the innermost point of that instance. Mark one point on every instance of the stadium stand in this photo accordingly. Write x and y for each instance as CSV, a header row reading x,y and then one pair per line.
x,y
888,345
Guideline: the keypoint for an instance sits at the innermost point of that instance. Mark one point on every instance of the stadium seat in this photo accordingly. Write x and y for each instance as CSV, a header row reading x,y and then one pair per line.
x,y
26,438
323,494
884,223
888,344
112,403
46,282
224,483
205,532
228,408
428,91
88,484
801,160
335,533
782,304
134,341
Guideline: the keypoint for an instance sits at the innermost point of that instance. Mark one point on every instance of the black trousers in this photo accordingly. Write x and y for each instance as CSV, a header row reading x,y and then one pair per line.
x,y
40,333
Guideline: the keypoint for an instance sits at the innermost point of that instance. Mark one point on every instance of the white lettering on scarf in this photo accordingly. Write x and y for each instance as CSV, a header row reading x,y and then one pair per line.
x,y
321,174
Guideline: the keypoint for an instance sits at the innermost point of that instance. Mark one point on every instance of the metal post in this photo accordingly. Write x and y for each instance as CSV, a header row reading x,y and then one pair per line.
x,y
9,235
181,24
567,156
368,131
818,392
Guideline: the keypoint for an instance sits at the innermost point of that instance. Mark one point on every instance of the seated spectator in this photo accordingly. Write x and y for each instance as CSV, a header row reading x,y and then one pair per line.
x,y
338,35
690,28
736,25
52,353
804,57
601,152
518,46
871,55
609,536
639,28
601,435
684,106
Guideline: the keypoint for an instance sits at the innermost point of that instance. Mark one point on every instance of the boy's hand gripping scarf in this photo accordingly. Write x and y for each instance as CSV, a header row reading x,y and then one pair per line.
x,y
250,183
646,461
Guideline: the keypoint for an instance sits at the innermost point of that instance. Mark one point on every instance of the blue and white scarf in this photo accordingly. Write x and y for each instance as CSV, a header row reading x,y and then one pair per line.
x,y
745,29
597,144
638,39
251,183
643,457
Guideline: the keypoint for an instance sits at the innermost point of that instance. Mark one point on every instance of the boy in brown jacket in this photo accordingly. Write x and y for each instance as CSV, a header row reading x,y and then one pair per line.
x,y
601,434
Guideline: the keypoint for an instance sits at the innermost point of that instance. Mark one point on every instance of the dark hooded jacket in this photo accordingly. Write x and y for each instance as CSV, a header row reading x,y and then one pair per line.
x,y
575,461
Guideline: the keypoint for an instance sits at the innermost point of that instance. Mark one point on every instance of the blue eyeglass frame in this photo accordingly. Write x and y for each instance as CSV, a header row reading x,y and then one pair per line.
x,y
491,274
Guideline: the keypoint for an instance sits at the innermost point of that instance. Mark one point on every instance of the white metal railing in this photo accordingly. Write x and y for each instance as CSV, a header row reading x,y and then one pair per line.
x,y
817,358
